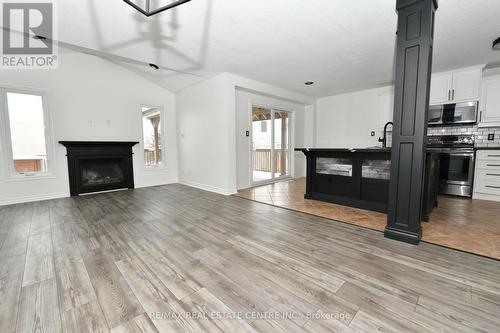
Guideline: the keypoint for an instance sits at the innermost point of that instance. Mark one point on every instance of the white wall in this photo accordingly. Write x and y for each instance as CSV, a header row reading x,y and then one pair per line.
x,y
206,122
244,102
91,99
347,120
203,123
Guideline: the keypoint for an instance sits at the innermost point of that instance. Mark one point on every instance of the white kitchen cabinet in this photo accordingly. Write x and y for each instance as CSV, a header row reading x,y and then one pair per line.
x,y
490,103
487,176
386,109
457,86
466,84
441,88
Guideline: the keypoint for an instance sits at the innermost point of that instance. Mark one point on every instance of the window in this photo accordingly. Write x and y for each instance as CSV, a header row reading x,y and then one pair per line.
x,y
152,136
25,127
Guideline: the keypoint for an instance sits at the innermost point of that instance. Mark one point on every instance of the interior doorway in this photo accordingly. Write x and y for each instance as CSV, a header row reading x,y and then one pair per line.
x,y
270,148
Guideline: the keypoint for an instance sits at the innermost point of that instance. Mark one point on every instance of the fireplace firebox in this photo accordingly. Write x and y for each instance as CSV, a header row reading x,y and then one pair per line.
x,y
99,166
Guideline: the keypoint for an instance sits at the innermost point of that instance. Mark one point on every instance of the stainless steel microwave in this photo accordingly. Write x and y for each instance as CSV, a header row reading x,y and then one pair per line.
x,y
449,114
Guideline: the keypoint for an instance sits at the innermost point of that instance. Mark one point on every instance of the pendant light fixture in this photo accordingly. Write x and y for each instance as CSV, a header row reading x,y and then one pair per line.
x,y
496,44
148,11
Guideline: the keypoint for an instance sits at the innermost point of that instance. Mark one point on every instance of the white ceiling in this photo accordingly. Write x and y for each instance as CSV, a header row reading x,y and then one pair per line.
x,y
341,45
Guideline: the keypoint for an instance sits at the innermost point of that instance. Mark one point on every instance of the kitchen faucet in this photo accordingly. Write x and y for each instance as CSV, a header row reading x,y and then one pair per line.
x,y
384,139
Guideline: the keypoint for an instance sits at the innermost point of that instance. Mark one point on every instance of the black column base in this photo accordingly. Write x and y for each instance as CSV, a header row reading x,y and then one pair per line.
x,y
403,236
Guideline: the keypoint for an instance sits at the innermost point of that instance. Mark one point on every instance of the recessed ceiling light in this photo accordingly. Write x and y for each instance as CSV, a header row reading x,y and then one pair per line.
x,y
309,83
496,44
154,66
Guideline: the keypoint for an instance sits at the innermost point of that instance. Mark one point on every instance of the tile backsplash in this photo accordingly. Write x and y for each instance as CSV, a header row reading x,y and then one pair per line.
x,y
480,133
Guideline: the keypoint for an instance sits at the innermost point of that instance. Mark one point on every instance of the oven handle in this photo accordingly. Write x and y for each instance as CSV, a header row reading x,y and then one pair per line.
x,y
459,154
456,150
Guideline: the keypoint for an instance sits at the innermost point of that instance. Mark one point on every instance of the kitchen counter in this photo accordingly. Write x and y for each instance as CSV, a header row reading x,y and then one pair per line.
x,y
351,177
486,148
359,177
348,150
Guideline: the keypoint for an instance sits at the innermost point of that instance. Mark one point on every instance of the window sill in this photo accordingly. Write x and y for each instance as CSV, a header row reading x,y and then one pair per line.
x,y
12,179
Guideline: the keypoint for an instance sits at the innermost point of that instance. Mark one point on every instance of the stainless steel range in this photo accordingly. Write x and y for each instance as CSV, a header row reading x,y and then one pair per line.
x,y
456,174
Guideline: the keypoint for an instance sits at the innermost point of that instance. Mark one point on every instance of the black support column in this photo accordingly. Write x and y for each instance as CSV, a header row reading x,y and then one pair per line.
x,y
413,74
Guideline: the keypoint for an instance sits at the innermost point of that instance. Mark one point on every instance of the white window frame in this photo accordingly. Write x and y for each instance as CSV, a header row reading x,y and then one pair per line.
x,y
162,138
6,137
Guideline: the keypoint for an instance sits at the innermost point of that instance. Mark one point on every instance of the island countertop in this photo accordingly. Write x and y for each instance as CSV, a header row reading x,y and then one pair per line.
x,y
346,150
359,177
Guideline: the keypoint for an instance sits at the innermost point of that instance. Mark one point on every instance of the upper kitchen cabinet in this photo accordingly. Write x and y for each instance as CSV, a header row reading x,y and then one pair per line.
x,y
466,85
441,85
490,103
457,86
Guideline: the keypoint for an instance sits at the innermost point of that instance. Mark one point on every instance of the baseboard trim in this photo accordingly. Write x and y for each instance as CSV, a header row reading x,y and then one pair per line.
x,y
33,198
483,196
403,236
167,182
209,188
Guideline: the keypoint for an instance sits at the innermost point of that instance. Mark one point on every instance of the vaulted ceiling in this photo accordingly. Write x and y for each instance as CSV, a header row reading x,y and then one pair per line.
x,y
341,45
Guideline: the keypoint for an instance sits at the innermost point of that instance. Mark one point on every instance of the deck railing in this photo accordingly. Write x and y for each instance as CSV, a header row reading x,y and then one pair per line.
x,y
261,160
29,165
149,157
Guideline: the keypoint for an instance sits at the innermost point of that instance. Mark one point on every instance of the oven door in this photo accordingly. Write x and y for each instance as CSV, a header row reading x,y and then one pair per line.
x,y
457,167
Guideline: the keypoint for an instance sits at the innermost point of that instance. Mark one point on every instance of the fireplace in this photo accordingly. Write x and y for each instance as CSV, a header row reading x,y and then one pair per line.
x,y
99,172
99,166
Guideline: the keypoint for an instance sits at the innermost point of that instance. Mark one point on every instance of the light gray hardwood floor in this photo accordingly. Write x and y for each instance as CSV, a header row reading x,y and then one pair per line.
x,y
178,259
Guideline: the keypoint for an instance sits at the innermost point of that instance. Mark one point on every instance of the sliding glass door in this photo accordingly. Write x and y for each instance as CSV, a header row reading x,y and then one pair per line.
x,y
270,145
262,141
281,144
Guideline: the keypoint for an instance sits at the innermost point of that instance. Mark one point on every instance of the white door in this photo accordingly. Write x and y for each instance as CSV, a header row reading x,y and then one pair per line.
x,y
466,85
490,102
441,85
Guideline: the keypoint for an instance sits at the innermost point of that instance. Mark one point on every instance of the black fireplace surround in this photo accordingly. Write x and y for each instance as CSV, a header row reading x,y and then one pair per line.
x,y
99,166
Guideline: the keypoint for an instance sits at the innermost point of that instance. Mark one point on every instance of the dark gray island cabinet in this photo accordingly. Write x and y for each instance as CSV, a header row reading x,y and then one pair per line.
x,y
360,178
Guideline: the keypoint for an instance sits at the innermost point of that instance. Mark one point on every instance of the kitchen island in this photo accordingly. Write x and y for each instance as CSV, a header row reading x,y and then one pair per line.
x,y
360,177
